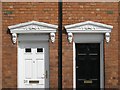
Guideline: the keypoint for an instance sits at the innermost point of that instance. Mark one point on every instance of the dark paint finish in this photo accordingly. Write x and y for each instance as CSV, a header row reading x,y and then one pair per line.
x,y
88,65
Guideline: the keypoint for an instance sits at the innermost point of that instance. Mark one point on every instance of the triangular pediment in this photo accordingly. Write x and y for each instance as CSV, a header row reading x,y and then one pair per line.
x,y
88,26
32,27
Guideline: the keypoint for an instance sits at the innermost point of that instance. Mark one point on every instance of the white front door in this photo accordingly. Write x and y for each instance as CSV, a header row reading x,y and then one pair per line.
x,y
33,64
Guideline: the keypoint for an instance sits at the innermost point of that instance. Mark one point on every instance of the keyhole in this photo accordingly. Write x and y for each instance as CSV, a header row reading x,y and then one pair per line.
x,y
33,61
88,48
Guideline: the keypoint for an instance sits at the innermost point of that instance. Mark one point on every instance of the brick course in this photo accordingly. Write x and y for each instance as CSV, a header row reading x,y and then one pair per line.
x,y
15,13
106,13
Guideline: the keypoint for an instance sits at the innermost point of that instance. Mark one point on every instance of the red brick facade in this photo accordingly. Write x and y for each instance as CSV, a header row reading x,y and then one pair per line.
x,y
99,12
15,13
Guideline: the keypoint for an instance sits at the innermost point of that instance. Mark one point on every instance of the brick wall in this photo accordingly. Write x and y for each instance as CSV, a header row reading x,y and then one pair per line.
x,y
106,13
0,45
15,13
119,44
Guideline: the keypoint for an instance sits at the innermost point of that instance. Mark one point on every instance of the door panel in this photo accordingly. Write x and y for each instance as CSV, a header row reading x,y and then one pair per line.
x,y
32,65
28,68
87,65
40,67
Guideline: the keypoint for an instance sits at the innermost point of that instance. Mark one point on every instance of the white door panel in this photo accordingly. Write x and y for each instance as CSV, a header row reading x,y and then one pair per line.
x,y
28,68
40,67
33,65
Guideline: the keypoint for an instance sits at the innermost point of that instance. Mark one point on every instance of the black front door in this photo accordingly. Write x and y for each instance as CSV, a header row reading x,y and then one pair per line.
x,y
87,65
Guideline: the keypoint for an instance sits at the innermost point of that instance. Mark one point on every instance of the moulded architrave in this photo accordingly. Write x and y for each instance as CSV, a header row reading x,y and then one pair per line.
x,y
96,24
33,27
89,27
32,23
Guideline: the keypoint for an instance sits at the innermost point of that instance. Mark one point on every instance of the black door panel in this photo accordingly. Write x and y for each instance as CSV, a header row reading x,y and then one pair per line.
x,y
87,65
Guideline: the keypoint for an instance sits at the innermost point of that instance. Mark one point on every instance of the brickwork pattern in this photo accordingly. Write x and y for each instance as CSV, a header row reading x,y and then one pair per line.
x,y
0,45
14,13
119,44
106,13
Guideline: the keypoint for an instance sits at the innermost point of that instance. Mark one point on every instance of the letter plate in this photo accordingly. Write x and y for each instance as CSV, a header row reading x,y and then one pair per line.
x,y
88,81
34,82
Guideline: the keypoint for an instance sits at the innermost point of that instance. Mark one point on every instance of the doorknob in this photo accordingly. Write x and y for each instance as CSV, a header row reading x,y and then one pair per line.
x,y
77,67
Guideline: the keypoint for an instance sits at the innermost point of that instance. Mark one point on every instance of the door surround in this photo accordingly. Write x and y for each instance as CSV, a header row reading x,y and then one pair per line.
x,y
88,27
33,27
32,31
89,32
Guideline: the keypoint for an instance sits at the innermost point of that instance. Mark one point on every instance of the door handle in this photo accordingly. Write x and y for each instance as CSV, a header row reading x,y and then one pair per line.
x,y
46,75
77,67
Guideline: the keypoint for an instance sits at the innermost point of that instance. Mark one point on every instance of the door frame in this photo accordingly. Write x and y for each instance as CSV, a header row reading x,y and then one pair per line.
x,y
91,34
45,30
101,64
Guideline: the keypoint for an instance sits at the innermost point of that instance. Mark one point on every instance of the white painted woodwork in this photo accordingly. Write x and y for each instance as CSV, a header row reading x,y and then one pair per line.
x,y
33,65
88,27
33,27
